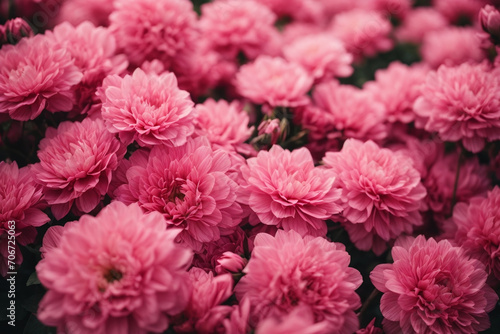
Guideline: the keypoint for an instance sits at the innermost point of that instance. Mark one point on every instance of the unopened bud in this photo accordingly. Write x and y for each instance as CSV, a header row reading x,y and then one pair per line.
x,y
230,262
489,17
16,29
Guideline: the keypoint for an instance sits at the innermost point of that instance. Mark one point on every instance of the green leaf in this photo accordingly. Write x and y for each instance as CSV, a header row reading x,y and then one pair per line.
x,y
33,279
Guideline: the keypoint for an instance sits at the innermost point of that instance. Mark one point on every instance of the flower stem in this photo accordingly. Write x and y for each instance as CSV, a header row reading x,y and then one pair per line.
x,y
368,302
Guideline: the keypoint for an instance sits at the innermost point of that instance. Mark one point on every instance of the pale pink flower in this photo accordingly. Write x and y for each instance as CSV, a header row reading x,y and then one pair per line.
x,y
190,186
418,23
288,270
397,88
458,10
381,191
452,46
36,74
297,10
119,272
461,103
322,55
285,189
396,8
76,164
274,82
433,287
300,320
224,319
147,108
78,11
298,30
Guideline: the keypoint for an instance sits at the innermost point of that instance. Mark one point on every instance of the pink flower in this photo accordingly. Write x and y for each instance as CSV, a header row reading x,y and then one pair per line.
x,y
274,81
36,74
153,29
147,108
230,263
78,11
397,88
370,329
190,186
418,23
299,320
452,46
461,103
396,8
76,164
119,272
458,10
288,270
433,287
285,189
14,30
305,11
270,127
323,56
489,17
381,191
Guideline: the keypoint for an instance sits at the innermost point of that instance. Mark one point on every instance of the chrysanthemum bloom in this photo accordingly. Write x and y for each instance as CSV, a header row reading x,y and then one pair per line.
x,y
297,10
224,124
456,11
274,82
381,191
285,189
461,103
36,74
364,32
79,11
287,270
153,29
190,186
147,108
478,229
21,201
397,88
433,287
418,23
299,320
395,8
119,272
233,26
323,56
93,50
76,164
452,46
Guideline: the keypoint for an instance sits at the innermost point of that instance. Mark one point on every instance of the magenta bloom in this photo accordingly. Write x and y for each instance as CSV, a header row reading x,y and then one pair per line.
x,y
36,74
78,11
381,191
299,320
147,108
418,23
489,17
274,82
461,103
456,10
285,189
76,164
433,287
288,270
190,186
119,272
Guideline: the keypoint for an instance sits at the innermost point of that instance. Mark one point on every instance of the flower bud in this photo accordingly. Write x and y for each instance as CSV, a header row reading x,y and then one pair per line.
x,y
230,262
489,17
14,30
270,127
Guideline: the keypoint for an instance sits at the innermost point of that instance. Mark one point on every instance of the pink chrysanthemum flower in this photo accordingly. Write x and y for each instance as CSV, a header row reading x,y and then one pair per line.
x,y
305,11
397,88
224,124
154,29
78,11
433,287
232,26
119,272
299,320
274,82
323,56
190,186
147,108
461,103
418,23
76,164
458,10
381,191
452,46
285,189
478,229
36,74
288,270
395,8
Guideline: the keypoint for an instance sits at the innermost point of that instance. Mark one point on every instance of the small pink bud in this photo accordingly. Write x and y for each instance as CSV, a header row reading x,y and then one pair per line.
x,y
230,262
270,127
15,30
489,17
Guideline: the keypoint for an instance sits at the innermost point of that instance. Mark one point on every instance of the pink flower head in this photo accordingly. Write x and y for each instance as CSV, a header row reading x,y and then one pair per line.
x,y
298,10
147,108
363,32
119,272
397,88
230,262
76,164
233,26
418,23
433,287
396,8
287,270
461,103
370,329
381,191
299,320
458,10
285,189
190,186
36,74
274,82
14,30
489,17
224,124
452,46
478,229
153,29
323,56
78,11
